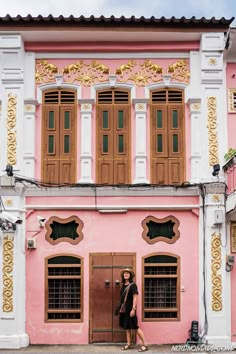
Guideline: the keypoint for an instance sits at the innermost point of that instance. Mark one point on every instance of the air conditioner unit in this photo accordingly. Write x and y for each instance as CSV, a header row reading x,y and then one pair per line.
x,y
31,243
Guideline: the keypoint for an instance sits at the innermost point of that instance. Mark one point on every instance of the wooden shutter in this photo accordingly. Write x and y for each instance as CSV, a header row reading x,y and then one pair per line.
x,y
167,134
113,149
59,137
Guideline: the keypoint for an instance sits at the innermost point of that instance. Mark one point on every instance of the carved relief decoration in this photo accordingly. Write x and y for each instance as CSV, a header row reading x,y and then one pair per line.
x,y
7,271
216,198
11,132
233,237
232,100
216,278
212,62
87,74
212,133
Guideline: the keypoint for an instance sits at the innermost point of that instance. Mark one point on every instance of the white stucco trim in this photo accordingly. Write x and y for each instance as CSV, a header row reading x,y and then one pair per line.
x,y
53,85
113,207
162,84
106,85
151,55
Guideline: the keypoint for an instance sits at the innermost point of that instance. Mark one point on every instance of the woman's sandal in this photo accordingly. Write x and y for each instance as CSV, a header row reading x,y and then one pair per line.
x,y
126,347
143,348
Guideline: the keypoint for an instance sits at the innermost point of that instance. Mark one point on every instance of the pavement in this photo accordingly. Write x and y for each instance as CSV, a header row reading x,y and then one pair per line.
x,y
108,348
89,348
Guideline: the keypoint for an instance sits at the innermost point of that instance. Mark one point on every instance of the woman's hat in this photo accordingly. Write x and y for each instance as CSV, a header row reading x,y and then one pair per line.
x,y
130,271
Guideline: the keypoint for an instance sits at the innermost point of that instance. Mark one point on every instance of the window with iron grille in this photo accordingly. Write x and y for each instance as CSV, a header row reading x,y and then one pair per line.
x,y
161,299
232,100
63,289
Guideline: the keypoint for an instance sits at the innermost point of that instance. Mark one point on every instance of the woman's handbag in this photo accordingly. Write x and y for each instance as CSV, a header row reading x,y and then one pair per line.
x,y
121,308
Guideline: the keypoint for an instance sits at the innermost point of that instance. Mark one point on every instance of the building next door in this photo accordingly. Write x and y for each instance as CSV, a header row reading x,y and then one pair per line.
x,y
105,284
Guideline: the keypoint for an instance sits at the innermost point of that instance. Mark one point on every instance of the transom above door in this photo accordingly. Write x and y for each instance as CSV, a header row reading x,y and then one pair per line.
x,y
113,137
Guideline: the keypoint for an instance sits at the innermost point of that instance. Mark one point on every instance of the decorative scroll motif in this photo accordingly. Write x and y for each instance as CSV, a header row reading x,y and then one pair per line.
x,y
11,132
212,62
216,198
212,133
88,74
45,72
7,271
232,100
216,278
140,107
29,108
180,71
233,237
86,107
195,107
8,202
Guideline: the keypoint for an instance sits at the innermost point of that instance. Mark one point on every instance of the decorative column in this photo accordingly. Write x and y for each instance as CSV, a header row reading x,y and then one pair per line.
x,y
86,141
30,105
12,273
214,280
195,117
140,140
12,255
213,101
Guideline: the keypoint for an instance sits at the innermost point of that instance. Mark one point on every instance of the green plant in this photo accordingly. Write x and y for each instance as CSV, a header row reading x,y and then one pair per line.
x,y
231,153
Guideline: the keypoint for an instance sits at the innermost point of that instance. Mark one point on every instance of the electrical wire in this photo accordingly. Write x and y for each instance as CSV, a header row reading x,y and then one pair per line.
x,y
202,188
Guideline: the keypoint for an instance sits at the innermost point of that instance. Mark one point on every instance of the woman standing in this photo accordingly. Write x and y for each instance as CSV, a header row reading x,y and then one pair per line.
x,y
128,319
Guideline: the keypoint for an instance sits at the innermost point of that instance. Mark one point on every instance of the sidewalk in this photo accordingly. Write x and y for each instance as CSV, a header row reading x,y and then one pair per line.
x,y
108,348
90,348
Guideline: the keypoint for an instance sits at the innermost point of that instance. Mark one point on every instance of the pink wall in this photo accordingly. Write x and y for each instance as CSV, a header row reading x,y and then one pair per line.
x,y
233,305
111,233
86,94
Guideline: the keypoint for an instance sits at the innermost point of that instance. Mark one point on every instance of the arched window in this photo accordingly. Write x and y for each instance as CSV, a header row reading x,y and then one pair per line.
x,y
167,137
63,289
161,279
113,136
59,136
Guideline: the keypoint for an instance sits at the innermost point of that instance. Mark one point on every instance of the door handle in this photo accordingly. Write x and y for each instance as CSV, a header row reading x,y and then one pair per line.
x,y
117,282
107,282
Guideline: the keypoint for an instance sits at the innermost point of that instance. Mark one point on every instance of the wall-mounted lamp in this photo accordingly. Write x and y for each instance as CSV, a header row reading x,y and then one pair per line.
x,y
229,263
216,170
41,220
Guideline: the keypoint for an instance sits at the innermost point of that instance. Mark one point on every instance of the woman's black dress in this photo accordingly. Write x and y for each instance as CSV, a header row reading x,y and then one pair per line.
x,y
125,321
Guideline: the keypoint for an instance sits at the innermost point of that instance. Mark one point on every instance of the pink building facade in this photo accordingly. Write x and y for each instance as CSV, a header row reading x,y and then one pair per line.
x,y
116,131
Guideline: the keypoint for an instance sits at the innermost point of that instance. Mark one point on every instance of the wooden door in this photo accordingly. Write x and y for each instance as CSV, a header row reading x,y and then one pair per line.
x,y
105,284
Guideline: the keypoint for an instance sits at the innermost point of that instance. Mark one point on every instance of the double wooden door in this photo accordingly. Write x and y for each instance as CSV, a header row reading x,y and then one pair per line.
x,y
105,284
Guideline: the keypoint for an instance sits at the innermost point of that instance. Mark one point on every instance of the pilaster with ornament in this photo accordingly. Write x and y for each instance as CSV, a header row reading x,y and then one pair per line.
x,y
214,107
213,247
12,83
195,117
140,140
29,142
86,108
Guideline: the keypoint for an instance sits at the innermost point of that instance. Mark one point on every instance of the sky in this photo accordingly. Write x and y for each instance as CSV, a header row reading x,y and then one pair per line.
x,y
137,8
